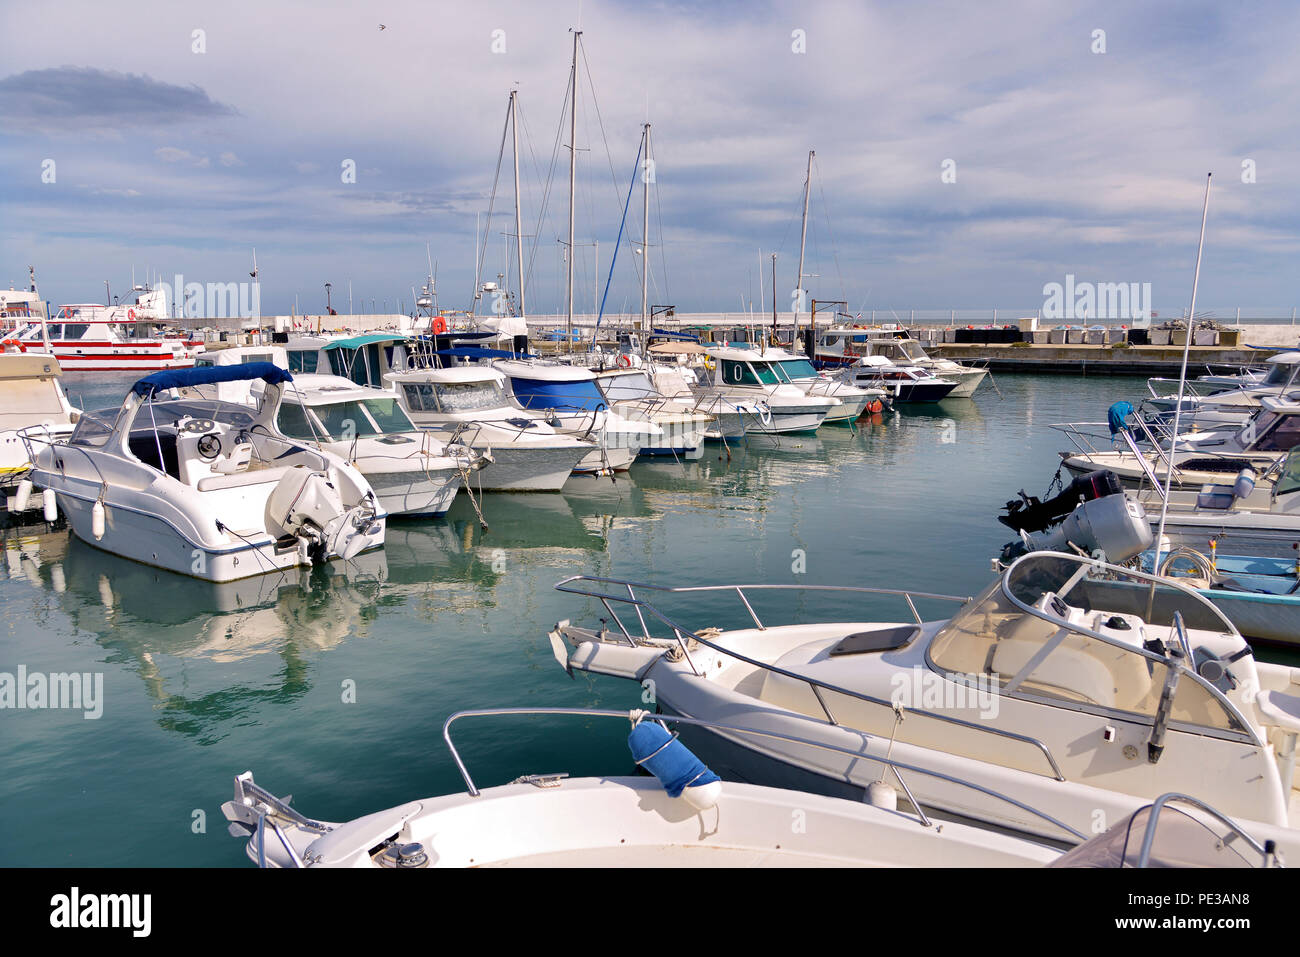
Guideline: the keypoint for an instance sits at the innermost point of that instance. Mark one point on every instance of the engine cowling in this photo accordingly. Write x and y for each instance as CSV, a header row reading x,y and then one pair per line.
x,y
304,502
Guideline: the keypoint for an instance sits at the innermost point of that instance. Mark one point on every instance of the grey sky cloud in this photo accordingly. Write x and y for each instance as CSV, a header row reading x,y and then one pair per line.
x,y
93,97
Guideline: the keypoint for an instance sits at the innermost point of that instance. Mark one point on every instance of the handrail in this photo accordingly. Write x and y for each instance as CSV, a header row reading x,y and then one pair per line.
x,y
1148,838
888,760
679,631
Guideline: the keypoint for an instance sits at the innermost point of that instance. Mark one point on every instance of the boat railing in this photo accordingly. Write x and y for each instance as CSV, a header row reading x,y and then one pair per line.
x,y
1265,851
588,586
896,766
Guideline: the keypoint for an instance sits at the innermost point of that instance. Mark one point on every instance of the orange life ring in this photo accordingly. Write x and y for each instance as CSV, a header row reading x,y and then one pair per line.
x,y
625,361
130,314
439,325
14,342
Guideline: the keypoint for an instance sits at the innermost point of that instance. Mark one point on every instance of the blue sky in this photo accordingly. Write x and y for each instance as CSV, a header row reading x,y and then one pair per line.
x,y
1067,160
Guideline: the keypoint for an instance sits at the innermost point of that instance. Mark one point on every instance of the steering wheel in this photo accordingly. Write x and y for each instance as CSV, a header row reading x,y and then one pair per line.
x,y
209,447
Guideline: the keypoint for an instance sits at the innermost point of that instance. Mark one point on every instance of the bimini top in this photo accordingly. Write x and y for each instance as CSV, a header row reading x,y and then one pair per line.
x,y
365,339
204,375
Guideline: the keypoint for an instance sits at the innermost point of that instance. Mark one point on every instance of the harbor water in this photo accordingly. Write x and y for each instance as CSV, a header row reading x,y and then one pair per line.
x,y
334,684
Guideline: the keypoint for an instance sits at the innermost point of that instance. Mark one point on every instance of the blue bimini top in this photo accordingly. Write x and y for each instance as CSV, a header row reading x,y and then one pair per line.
x,y
204,375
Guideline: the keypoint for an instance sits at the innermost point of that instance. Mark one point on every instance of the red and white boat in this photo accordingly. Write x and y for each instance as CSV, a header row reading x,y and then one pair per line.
x,y
131,336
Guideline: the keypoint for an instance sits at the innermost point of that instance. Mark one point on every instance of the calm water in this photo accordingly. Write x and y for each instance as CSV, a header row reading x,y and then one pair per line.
x,y
202,682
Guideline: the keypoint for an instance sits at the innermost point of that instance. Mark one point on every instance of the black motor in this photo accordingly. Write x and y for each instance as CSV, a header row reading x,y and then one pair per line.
x,y
1030,514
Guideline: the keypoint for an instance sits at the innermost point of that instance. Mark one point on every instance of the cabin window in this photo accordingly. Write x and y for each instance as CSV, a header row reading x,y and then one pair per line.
x,y
93,429
292,421
419,397
1289,480
74,330
797,369
303,361
742,373
388,415
343,420
469,396
1282,437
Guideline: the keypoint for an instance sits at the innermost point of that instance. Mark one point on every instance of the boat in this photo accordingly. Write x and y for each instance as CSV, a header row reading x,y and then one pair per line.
x,y
1259,594
747,377
632,391
410,470
1084,688
570,399
1220,401
32,403
905,383
854,401
844,347
206,488
469,405
130,336
686,816
1198,459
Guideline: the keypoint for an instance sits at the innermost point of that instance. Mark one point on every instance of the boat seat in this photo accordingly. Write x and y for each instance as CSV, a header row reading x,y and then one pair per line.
x,y
236,460
239,479
1279,710
1076,673
879,639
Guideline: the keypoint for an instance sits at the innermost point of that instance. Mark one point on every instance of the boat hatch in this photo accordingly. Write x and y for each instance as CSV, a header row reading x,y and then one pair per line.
x,y
879,639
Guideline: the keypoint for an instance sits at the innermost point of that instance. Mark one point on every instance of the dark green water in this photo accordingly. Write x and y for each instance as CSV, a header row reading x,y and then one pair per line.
x,y
202,682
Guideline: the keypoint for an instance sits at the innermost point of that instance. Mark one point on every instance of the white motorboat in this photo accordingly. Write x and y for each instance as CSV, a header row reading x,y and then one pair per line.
x,y
846,346
206,488
632,392
1084,689
748,377
905,383
410,470
1199,458
86,337
854,401
685,816
1215,402
31,402
570,399
469,405
732,417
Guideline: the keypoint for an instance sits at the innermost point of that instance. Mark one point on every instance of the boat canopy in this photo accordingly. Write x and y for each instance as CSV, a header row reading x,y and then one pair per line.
x,y
204,375
356,342
580,395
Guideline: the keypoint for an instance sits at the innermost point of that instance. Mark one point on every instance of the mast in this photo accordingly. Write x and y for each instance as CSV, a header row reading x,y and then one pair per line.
x,y
573,170
773,301
519,231
803,239
645,232
1182,380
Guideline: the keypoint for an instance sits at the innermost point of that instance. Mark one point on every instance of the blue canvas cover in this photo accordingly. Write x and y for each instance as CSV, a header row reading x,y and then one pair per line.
x,y
204,375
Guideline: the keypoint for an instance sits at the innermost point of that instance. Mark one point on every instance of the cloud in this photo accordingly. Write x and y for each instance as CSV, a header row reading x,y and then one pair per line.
x,y
173,154
90,98
230,159
306,167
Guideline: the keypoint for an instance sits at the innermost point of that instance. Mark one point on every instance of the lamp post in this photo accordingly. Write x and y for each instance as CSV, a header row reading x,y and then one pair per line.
x,y
329,308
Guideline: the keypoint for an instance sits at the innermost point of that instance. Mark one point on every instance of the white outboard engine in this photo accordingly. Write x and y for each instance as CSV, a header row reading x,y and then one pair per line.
x,y
1114,526
304,504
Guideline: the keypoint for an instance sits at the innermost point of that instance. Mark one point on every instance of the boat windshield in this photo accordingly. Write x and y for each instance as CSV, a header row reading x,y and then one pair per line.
x,y
1272,432
172,410
1082,643
1289,480
1180,840
1280,374
343,421
93,428
632,386
454,396
792,369
746,373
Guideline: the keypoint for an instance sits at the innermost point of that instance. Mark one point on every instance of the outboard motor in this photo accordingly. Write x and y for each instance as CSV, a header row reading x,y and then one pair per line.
x,y
1029,514
1113,527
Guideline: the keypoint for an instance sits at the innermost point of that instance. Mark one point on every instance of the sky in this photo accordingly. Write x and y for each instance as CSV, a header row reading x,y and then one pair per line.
x,y
967,154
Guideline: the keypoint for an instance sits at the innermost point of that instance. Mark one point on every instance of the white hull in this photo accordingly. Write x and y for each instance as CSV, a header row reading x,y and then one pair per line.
x,y
414,492
527,468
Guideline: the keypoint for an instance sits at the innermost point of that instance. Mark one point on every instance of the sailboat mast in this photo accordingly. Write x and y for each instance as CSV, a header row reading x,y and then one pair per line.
x,y
645,233
803,240
1182,380
573,171
519,231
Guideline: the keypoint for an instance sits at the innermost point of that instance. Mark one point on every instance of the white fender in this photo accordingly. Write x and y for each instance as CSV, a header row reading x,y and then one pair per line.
x,y
97,520
24,496
50,504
